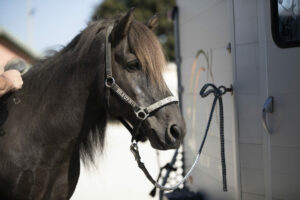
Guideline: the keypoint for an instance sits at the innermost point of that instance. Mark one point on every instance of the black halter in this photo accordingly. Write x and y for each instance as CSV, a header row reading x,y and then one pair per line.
x,y
142,113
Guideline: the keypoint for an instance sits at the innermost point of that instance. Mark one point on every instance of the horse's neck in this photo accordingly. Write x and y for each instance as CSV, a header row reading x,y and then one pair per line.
x,y
55,100
42,88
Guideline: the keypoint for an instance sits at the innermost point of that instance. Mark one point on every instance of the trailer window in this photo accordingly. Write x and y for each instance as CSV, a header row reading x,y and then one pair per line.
x,y
286,22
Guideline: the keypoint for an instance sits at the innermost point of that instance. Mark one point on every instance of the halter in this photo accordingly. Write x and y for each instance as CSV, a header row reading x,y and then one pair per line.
x,y
141,113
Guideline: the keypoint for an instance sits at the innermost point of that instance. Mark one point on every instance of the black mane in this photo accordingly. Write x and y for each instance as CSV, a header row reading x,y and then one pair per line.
x,y
47,76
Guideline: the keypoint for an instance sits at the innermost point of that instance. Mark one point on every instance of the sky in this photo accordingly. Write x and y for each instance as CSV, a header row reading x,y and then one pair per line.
x,y
54,22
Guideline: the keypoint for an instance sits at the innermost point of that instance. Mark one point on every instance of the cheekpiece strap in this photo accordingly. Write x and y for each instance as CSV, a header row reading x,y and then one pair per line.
x,y
108,71
108,52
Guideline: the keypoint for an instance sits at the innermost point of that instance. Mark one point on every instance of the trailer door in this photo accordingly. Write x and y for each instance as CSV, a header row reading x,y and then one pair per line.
x,y
282,61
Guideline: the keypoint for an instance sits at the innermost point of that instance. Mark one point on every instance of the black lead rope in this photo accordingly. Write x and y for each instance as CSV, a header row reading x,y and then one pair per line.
x,y
218,93
205,91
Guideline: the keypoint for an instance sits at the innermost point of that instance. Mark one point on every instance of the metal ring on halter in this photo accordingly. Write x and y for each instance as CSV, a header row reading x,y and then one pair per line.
x,y
141,114
109,81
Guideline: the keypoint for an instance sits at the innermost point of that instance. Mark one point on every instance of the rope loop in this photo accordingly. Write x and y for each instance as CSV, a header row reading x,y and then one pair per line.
x,y
218,92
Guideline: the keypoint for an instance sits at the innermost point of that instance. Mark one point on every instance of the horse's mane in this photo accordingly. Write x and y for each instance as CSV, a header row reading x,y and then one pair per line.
x,y
50,73
62,63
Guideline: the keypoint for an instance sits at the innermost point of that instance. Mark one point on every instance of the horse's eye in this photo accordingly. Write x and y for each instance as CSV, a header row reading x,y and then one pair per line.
x,y
133,65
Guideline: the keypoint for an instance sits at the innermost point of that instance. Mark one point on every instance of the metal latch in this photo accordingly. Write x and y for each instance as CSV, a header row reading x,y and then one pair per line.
x,y
268,108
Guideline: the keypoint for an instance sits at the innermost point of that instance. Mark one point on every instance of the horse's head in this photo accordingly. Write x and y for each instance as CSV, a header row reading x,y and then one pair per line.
x,y
137,63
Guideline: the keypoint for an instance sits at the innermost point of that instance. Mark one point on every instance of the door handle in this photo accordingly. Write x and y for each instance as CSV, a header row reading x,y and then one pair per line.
x,y
268,108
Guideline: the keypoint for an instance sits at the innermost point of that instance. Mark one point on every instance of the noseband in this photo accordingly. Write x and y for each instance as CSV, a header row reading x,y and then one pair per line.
x,y
141,113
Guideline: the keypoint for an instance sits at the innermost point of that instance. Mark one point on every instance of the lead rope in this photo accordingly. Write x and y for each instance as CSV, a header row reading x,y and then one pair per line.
x,y
218,92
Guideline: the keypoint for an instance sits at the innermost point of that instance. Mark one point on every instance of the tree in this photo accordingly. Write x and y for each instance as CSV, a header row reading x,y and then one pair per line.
x,y
144,10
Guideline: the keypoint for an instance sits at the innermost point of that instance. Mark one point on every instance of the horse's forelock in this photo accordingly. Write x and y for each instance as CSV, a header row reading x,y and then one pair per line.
x,y
148,50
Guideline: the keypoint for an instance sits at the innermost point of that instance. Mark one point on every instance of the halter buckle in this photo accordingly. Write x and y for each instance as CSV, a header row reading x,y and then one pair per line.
x,y
109,81
141,114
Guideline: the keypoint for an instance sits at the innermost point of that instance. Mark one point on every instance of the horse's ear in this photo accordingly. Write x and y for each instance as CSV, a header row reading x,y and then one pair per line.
x,y
121,29
153,22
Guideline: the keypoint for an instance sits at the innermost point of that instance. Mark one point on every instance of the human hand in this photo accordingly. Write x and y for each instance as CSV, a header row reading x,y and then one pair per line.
x,y
13,78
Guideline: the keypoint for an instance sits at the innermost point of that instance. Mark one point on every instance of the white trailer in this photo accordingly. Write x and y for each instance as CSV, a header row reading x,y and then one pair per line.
x,y
253,45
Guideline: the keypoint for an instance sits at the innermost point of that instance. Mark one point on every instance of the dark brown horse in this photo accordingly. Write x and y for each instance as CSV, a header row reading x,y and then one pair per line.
x,y
61,113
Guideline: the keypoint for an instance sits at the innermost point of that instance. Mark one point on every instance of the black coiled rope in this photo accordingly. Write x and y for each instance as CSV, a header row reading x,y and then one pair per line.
x,y
218,92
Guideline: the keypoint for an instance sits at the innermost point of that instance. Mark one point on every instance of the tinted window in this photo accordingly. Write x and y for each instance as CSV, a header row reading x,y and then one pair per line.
x,y
286,22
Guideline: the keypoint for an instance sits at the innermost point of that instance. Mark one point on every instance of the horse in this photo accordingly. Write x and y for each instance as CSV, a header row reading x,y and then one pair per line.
x,y
60,114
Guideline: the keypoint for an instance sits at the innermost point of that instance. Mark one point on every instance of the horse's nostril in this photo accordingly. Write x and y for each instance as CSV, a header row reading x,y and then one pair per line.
x,y
175,131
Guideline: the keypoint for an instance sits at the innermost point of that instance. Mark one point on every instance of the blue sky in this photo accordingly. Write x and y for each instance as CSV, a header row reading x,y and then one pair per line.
x,y
54,22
